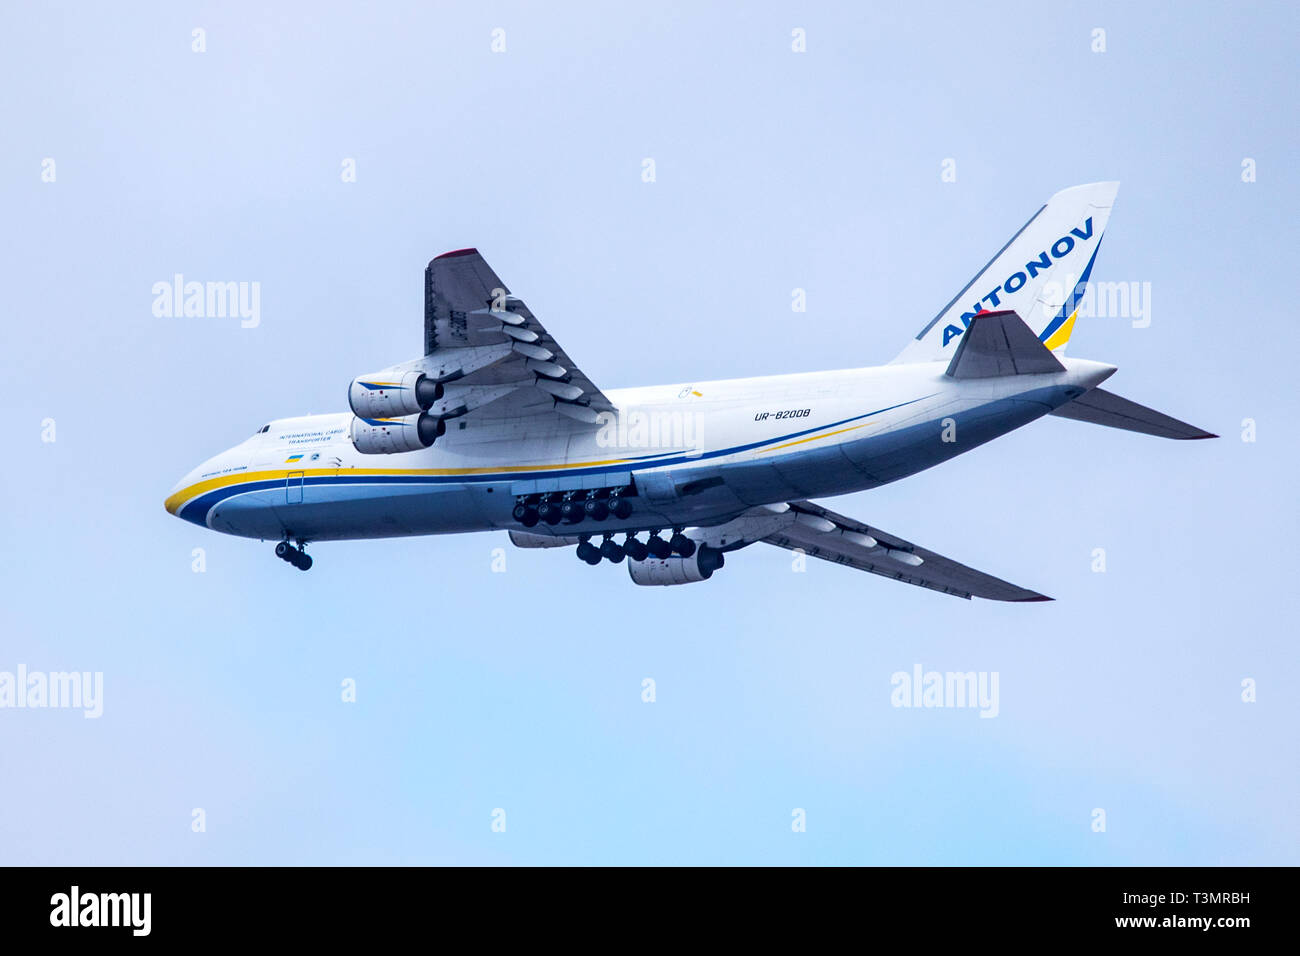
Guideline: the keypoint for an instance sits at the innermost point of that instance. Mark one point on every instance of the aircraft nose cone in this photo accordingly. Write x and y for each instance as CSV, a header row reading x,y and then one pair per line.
x,y
172,501
177,496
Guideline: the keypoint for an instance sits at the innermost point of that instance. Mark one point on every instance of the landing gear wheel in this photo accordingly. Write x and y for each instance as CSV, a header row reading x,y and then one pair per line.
x,y
571,511
681,545
596,509
295,556
620,508
610,550
589,552
659,547
635,549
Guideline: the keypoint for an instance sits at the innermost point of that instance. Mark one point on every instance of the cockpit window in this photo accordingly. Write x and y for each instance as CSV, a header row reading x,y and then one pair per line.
x,y
262,430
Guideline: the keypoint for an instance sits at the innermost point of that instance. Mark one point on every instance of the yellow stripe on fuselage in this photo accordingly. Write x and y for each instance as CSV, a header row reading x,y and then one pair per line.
x,y
173,503
802,441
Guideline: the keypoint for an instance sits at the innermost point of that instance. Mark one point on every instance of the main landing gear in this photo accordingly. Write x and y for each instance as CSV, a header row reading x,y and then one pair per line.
x,y
298,557
571,507
634,548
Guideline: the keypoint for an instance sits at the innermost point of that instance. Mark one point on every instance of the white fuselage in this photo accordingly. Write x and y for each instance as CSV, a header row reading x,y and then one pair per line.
x,y
690,454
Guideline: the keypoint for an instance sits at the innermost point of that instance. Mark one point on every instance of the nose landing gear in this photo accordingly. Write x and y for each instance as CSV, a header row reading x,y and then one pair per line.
x,y
298,556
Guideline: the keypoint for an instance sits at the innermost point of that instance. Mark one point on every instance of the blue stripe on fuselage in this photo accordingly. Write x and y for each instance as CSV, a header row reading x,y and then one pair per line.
x,y
196,511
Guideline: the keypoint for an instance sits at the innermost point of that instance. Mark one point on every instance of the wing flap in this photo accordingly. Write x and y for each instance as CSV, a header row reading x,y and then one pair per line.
x,y
469,311
890,556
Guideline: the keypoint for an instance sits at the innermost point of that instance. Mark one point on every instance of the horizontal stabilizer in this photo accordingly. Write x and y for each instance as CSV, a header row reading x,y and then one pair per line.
x,y
999,343
1106,408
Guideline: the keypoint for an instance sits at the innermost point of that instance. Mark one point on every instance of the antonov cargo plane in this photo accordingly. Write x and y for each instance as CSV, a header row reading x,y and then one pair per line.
x,y
496,427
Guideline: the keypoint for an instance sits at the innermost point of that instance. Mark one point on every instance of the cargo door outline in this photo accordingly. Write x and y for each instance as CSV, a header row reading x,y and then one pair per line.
x,y
293,488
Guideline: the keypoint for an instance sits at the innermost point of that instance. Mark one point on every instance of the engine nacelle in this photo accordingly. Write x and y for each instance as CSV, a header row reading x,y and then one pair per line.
x,y
392,394
698,567
388,436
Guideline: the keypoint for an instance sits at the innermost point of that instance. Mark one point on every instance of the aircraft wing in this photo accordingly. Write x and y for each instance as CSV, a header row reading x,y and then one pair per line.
x,y
505,363
824,534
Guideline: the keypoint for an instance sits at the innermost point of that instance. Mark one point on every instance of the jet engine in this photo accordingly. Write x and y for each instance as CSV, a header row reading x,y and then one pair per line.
x,y
388,436
698,567
392,394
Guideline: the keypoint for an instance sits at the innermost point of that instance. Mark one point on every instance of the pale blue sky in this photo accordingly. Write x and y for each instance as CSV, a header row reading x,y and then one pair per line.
x,y
521,690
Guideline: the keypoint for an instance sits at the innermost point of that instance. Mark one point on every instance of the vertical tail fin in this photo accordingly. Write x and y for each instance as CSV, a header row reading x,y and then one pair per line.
x,y
1041,273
